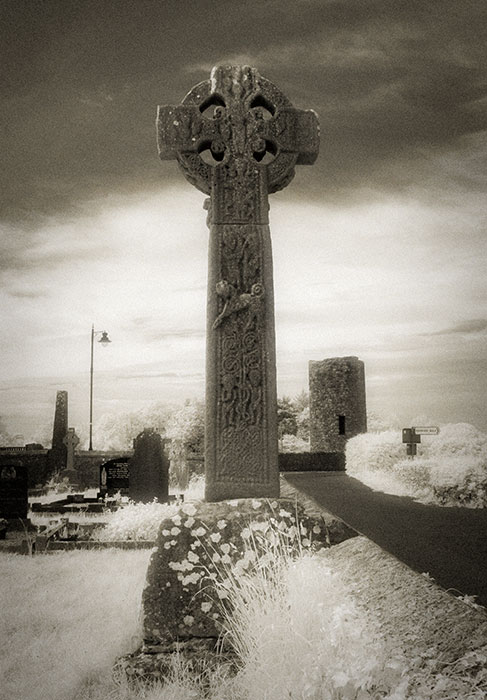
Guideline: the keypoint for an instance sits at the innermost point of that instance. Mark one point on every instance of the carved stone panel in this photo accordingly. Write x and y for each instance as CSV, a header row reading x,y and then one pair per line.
x,y
241,454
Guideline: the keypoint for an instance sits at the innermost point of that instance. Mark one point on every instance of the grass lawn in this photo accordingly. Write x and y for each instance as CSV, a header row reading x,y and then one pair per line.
x,y
353,611
348,623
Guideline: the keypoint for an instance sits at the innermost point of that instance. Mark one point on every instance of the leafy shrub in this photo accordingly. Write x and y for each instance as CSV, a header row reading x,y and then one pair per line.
x,y
293,443
136,521
458,439
374,452
450,470
187,431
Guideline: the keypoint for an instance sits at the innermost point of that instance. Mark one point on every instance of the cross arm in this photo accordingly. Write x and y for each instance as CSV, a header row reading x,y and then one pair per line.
x,y
181,129
296,131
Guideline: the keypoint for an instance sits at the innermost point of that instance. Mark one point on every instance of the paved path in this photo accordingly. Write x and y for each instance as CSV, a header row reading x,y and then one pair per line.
x,y
448,543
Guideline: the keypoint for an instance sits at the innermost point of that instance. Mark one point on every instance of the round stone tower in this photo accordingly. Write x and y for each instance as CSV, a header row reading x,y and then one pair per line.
x,y
336,402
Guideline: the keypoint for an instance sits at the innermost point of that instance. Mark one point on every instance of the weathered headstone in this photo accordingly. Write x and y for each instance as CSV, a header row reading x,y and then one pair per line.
x,y
71,440
237,138
337,407
13,490
149,468
115,477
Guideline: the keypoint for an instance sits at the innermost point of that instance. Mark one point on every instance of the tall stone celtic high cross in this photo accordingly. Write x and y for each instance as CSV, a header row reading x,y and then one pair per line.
x,y
237,138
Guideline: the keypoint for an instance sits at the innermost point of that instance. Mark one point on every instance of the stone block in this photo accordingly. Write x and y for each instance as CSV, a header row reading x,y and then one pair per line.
x,y
202,544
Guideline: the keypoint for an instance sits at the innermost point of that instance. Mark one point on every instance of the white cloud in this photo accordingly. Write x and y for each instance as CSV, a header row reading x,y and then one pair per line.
x,y
373,280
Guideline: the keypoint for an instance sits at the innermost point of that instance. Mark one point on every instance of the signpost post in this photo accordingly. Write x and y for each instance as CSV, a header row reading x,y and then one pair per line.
x,y
412,436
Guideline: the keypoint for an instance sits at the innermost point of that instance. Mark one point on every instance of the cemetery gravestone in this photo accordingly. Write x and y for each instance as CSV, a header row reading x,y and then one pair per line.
x,y
71,440
149,468
13,490
237,138
115,477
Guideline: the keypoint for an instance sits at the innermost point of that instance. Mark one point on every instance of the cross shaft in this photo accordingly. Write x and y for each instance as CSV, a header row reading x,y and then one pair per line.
x,y
238,138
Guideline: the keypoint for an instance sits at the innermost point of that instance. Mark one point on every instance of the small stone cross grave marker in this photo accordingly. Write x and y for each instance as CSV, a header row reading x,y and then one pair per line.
x,y
71,440
237,138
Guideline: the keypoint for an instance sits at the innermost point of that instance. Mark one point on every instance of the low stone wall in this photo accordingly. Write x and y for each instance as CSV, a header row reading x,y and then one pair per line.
x,y
40,466
36,461
311,461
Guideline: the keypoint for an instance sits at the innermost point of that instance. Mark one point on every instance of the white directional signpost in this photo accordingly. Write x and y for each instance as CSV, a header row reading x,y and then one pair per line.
x,y
412,436
426,430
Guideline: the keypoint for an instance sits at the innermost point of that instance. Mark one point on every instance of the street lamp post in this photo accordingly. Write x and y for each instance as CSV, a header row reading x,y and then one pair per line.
x,y
104,340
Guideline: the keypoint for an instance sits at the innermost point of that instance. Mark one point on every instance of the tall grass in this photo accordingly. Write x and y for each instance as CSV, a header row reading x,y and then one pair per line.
x,y
65,619
69,616
298,632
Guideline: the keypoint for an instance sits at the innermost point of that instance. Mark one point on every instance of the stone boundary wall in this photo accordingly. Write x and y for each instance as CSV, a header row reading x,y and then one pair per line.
x,y
311,461
36,461
40,467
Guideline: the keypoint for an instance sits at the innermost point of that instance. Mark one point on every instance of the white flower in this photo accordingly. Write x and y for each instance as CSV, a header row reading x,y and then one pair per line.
x,y
226,559
215,558
176,519
206,607
215,537
222,594
245,534
189,509
189,522
284,513
191,579
200,532
317,530
175,531
256,504
221,524
193,557
188,620
225,548
305,542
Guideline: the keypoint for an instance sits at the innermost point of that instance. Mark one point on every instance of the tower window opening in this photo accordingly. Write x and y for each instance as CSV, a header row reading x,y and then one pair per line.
x,y
341,425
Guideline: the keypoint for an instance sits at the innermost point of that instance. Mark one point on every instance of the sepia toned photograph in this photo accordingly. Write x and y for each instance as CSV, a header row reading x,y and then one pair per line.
x,y
243,360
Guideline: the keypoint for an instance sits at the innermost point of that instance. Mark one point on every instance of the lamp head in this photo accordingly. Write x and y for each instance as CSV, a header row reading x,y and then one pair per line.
x,y
104,340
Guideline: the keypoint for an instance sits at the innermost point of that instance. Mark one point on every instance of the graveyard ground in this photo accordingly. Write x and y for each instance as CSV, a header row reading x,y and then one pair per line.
x,y
68,616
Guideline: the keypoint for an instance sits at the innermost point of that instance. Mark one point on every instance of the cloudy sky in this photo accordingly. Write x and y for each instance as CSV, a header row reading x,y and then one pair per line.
x,y
379,248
